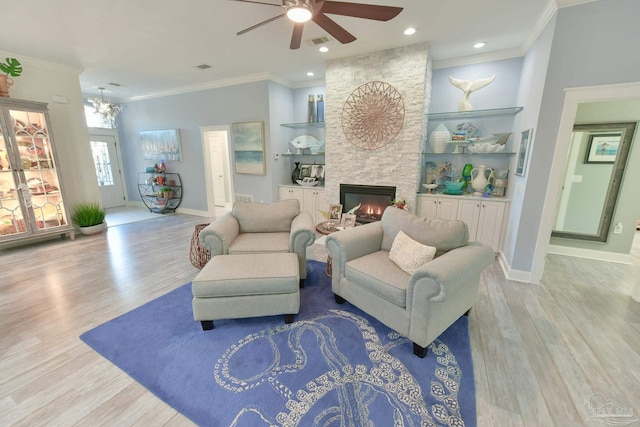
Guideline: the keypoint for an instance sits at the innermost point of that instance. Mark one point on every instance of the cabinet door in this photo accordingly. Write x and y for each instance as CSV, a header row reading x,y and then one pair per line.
x,y
285,193
447,208
313,203
427,207
469,212
490,224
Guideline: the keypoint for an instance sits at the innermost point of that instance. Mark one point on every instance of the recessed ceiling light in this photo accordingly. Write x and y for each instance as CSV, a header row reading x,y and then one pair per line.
x,y
323,49
310,74
479,45
409,31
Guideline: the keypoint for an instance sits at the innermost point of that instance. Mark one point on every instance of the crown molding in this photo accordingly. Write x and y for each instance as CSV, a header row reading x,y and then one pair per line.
x,y
42,63
477,59
250,78
570,3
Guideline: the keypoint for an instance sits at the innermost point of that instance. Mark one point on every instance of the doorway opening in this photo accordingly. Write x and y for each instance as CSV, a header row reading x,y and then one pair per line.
x,y
217,166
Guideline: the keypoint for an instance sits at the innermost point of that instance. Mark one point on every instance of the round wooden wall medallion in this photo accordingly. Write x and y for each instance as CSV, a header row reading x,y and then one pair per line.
x,y
373,115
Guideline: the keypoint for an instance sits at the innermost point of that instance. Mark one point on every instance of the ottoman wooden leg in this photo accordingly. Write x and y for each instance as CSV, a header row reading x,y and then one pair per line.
x,y
207,325
288,318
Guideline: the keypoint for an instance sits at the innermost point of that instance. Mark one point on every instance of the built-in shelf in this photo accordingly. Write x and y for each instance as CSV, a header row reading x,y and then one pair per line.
x,y
474,113
303,125
303,154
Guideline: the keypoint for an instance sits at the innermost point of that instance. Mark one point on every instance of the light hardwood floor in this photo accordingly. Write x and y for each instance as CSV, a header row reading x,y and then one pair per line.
x,y
538,351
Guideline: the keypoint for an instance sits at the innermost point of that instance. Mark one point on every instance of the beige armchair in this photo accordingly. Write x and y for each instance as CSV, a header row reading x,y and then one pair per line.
x,y
252,228
420,305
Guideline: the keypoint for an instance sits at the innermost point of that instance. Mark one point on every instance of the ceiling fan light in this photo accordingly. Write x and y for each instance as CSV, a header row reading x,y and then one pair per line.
x,y
299,14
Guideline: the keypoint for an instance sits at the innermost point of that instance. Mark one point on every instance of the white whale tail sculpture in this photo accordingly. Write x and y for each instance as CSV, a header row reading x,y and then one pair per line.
x,y
467,87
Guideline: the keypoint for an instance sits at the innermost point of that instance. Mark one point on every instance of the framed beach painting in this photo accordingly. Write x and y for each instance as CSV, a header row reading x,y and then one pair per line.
x,y
161,144
248,148
603,148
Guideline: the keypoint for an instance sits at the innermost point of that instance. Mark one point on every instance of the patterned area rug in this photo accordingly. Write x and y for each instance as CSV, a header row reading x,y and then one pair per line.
x,y
334,366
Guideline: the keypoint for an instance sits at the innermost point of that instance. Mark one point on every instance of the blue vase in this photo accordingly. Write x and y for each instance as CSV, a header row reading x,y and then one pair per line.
x,y
320,108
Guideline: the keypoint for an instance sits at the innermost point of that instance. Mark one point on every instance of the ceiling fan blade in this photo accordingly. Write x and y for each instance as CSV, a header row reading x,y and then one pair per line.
x,y
260,24
331,27
258,2
296,37
356,10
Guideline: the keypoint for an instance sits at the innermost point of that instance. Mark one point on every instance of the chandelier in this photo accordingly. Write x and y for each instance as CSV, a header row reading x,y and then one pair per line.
x,y
106,109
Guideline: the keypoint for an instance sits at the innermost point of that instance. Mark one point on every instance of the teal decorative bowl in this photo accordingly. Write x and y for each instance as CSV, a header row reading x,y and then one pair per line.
x,y
454,186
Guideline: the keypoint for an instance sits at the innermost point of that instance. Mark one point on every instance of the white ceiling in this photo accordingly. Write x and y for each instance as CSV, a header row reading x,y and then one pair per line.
x,y
152,47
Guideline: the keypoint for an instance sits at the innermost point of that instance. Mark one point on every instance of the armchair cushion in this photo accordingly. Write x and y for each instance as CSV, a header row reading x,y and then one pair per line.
x,y
265,218
256,243
408,254
379,275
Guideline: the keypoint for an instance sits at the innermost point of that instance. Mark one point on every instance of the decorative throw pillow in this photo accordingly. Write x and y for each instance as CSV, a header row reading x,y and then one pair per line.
x,y
408,254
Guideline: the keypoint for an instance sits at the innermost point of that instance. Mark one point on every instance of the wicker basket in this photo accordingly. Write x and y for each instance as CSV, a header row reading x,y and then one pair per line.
x,y
198,255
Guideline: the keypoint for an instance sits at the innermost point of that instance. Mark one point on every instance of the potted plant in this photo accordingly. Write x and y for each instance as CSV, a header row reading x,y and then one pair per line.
x,y
11,68
167,192
90,218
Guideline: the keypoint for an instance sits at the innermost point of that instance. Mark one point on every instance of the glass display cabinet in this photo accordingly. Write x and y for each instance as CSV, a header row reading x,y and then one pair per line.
x,y
31,194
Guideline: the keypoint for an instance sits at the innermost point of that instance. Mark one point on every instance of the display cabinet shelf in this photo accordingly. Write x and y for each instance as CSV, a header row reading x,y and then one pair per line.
x,y
150,190
510,111
303,125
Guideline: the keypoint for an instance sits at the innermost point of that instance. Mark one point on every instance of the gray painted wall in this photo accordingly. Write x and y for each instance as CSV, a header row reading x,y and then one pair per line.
x,y
580,56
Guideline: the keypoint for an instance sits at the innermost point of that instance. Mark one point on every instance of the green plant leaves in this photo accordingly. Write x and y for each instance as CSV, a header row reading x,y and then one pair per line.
x,y
12,67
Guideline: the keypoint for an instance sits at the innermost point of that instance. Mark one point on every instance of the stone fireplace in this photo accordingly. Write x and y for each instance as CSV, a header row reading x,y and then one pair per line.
x,y
399,163
371,199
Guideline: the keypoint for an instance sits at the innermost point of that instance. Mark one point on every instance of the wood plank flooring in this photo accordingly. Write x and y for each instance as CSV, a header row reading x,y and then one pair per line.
x,y
539,351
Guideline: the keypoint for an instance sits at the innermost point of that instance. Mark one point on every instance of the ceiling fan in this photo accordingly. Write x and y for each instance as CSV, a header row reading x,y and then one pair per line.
x,y
301,11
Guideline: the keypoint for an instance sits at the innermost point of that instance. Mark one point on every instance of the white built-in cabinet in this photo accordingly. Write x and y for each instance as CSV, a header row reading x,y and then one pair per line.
x,y
484,217
311,199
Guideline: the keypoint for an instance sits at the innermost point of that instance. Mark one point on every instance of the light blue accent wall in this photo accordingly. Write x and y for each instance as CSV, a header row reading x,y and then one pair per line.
x,y
592,45
188,112
501,93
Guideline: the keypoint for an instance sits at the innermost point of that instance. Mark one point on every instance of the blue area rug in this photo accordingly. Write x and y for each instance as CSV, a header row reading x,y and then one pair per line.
x,y
334,366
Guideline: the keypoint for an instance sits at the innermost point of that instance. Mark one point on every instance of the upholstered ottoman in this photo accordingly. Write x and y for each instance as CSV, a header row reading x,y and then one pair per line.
x,y
246,285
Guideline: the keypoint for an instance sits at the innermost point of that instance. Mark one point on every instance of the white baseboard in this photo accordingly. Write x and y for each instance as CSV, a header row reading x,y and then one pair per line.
x,y
591,254
513,274
193,212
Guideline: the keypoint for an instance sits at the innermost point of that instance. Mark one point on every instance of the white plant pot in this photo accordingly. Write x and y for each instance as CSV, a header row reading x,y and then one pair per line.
x,y
439,138
93,229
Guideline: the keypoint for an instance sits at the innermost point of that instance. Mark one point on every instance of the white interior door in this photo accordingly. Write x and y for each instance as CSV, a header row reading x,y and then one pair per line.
x,y
108,170
217,166
218,143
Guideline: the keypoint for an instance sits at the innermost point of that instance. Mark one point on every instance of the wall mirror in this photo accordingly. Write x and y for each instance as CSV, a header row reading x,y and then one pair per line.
x,y
597,159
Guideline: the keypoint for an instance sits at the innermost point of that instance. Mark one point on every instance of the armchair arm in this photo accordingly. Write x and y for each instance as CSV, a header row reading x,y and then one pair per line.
x,y
450,271
303,232
217,236
352,243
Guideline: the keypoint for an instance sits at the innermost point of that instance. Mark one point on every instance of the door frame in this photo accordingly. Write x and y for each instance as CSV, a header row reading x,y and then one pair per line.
x,y
573,97
113,133
204,130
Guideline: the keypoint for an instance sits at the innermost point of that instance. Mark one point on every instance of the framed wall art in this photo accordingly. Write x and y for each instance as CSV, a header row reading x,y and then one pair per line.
x,y
523,152
248,148
161,144
603,148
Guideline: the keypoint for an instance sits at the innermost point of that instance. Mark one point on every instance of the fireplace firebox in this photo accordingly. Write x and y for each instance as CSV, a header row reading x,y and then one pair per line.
x,y
372,200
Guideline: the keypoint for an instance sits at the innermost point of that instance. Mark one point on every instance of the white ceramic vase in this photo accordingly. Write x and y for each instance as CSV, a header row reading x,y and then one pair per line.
x,y
94,229
439,138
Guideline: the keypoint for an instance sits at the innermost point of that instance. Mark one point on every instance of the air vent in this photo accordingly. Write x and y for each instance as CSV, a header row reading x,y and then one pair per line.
x,y
243,197
203,66
115,84
319,40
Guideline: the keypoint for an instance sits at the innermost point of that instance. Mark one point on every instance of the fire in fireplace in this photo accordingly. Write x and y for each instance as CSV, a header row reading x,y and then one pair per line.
x,y
371,199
